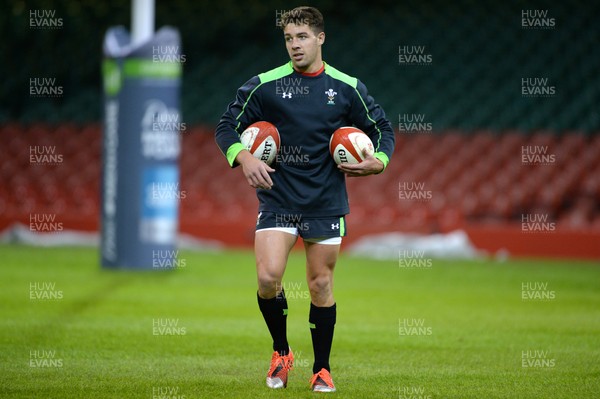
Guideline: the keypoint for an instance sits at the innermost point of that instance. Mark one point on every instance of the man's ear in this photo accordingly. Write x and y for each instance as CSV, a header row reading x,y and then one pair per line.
x,y
321,38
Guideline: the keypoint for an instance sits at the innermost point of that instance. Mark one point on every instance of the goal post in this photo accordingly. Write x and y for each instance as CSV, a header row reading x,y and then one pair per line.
x,y
141,144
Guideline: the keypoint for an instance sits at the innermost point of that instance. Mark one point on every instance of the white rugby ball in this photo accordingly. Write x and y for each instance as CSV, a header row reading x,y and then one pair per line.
x,y
262,140
347,145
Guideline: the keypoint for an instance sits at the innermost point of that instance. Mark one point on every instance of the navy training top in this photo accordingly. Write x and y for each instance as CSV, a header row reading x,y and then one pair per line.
x,y
306,109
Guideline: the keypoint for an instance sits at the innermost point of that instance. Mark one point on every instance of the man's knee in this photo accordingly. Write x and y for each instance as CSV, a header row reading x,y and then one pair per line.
x,y
268,283
320,284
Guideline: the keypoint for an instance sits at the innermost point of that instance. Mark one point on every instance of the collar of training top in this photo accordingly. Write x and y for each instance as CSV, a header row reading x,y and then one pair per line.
x,y
311,74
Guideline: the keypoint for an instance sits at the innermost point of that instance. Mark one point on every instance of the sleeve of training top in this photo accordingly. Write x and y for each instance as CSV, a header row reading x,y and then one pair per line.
x,y
241,113
370,118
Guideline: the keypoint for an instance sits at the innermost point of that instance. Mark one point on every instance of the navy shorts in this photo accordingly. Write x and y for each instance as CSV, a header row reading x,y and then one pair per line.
x,y
323,230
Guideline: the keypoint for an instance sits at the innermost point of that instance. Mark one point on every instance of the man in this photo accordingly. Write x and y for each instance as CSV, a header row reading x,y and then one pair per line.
x,y
307,100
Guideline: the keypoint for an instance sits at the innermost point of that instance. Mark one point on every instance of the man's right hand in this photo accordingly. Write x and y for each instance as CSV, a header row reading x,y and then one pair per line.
x,y
256,171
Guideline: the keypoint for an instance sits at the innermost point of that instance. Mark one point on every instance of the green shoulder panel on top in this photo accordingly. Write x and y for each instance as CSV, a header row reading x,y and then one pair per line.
x,y
334,73
276,73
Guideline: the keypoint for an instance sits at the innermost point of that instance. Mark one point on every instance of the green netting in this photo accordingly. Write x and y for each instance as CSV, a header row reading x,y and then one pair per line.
x,y
479,52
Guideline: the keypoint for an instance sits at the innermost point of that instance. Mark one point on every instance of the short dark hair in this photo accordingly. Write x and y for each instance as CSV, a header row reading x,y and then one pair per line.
x,y
304,15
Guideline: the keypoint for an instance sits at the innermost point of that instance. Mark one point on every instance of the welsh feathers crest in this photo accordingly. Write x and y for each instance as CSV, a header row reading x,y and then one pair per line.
x,y
331,96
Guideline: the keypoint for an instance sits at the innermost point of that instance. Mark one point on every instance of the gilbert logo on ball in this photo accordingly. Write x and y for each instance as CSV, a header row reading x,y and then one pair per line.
x,y
347,145
262,140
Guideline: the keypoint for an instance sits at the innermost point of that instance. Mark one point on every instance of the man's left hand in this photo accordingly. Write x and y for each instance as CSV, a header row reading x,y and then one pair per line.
x,y
369,166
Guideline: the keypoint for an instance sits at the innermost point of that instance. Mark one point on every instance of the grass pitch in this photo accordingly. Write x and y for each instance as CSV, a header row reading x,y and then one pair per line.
x,y
456,329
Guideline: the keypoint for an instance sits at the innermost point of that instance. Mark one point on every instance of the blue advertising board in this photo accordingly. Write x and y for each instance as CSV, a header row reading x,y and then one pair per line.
x,y
141,147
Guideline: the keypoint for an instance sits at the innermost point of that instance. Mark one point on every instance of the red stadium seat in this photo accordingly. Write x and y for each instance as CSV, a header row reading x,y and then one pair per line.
x,y
477,177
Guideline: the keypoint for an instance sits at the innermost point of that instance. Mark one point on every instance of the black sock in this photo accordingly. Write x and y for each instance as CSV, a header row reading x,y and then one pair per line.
x,y
322,322
274,311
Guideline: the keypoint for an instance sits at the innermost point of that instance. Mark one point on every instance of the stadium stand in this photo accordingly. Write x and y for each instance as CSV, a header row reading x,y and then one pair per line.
x,y
437,183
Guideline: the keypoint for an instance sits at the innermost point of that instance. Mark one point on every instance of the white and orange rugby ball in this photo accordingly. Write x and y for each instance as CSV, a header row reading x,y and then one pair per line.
x,y
347,145
262,140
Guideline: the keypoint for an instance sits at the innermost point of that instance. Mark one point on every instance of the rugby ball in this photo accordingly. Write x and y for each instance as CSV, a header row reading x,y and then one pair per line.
x,y
262,140
347,144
